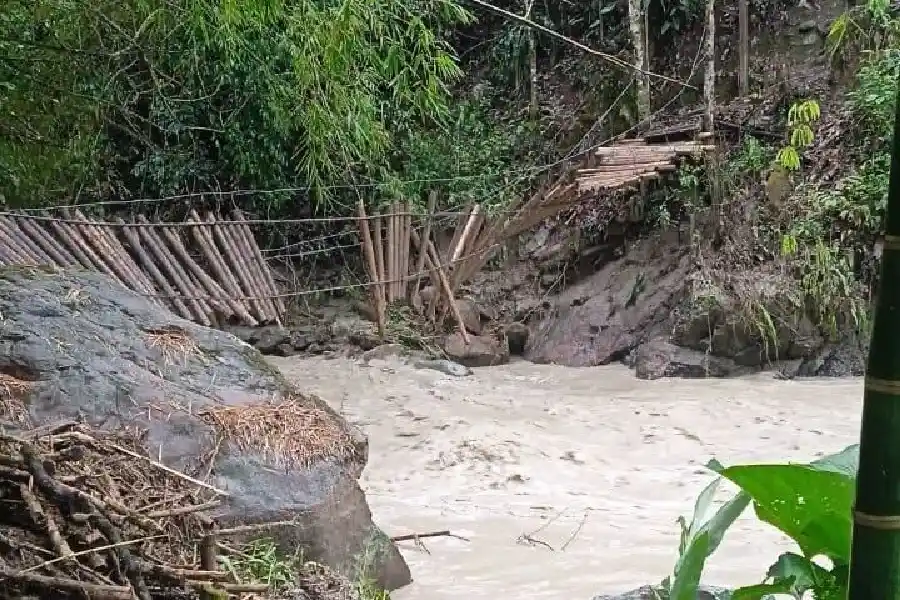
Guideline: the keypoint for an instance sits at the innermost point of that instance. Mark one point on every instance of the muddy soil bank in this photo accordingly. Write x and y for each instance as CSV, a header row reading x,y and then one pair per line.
x,y
566,482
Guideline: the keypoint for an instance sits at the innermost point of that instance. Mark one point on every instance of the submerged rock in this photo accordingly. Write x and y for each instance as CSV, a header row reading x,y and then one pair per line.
x,y
91,350
480,351
651,592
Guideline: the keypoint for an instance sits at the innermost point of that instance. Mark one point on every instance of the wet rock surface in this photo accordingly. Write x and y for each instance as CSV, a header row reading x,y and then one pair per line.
x,y
96,352
600,319
650,592
479,351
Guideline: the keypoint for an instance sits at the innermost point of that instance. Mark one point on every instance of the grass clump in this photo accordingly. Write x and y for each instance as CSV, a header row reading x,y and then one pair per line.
x,y
261,562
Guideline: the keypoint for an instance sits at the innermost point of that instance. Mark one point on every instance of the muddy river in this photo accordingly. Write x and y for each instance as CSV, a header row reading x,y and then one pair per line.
x,y
567,482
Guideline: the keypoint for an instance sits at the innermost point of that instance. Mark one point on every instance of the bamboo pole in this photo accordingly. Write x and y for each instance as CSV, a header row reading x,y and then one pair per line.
x,y
210,251
874,571
447,253
432,258
378,242
98,264
53,248
64,234
369,250
95,238
169,267
239,266
13,251
254,270
426,235
133,237
117,248
263,265
407,250
208,283
34,251
390,254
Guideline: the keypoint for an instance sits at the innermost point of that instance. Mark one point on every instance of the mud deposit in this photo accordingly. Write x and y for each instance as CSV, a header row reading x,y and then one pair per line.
x,y
567,482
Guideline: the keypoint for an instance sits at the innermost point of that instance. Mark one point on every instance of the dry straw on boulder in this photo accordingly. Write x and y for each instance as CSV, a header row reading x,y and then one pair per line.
x,y
290,431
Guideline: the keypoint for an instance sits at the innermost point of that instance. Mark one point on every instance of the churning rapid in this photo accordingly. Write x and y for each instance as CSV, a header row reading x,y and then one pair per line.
x,y
567,482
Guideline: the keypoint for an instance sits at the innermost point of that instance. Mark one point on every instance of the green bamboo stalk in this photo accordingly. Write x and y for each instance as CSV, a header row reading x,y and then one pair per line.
x,y
875,553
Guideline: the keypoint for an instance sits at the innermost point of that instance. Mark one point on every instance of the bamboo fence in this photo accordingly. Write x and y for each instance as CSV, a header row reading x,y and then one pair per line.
x,y
390,240
213,274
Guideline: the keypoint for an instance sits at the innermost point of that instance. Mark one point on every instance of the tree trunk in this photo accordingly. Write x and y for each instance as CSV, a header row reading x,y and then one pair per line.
x,y
533,106
875,556
636,28
709,101
744,47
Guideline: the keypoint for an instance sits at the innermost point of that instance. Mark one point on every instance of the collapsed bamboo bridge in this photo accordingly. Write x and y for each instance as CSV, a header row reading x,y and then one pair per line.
x,y
389,242
210,269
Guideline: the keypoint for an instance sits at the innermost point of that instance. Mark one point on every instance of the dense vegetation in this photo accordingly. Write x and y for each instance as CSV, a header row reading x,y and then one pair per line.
x,y
322,100
305,106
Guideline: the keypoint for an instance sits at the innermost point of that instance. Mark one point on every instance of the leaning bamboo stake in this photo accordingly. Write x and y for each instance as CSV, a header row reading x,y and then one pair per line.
x,y
464,238
369,251
210,251
133,237
13,250
447,253
237,262
378,242
51,246
433,260
119,249
95,237
263,265
426,235
25,256
168,266
64,234
76,236
253,269
28,244
203,280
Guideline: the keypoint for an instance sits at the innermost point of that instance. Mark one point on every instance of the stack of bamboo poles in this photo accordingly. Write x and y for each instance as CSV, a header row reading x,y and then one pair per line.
x,y
633,161
220,278
476,238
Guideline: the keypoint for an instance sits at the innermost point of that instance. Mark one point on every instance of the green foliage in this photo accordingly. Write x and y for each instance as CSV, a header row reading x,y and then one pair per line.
x,y
810,503
472,158
801,116
700,539
154,98
261,562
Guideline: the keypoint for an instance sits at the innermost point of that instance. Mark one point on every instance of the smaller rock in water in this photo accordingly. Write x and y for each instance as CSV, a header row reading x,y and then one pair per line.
x,y
517,338
448,367
481,351
384,352
660,358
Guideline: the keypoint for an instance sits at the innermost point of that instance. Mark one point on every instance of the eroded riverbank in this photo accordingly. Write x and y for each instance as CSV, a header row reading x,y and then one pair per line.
x,y
566,482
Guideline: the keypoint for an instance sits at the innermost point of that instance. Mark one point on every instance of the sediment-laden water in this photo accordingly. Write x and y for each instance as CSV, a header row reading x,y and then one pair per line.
x,y
567,482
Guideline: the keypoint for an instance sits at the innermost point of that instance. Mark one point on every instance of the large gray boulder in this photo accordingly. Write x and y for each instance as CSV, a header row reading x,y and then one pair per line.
x,y
96,352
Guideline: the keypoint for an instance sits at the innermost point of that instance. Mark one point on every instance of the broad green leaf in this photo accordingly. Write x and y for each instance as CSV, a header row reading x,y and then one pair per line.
x,y
846,461
801,573
807,503
690,568
761,591
703,540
